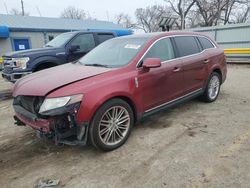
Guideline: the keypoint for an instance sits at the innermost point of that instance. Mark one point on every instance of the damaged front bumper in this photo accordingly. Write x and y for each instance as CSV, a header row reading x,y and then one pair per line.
x,y
62,129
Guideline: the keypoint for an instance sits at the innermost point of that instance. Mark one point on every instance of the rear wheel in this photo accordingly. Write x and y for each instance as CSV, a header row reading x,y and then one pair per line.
x,y
111,125
213,88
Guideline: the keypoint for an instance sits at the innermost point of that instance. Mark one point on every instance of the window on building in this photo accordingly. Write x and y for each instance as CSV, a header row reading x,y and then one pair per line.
x,y
51,37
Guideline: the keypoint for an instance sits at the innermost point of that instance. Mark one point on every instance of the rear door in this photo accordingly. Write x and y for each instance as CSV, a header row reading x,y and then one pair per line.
x,y
160,85
102,37
194,60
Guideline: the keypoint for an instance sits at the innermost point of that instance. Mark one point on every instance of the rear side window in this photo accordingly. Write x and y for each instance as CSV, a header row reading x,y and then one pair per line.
x,y
186,45
205,43
162,49
103,37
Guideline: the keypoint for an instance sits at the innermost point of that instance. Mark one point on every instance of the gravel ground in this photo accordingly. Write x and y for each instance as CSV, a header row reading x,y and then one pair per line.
x,y
192,145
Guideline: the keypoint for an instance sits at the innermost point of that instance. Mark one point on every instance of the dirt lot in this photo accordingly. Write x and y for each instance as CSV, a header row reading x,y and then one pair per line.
x,y
192,145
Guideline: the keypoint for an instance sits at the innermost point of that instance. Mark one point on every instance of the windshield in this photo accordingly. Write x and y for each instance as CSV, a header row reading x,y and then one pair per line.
x,y
114,52
59,40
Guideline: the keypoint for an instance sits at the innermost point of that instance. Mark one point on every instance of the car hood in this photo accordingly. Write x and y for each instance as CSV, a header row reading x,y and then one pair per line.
x,y
45,81
31,52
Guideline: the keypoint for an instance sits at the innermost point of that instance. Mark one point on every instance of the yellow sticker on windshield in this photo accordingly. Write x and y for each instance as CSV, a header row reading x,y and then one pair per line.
x,y
132,46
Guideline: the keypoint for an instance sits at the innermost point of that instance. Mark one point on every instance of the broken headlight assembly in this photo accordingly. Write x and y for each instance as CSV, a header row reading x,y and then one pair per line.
x,y
60,105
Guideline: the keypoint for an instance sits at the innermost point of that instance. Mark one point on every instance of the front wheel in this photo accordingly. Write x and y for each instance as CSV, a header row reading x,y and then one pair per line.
x,y
111,125
213,88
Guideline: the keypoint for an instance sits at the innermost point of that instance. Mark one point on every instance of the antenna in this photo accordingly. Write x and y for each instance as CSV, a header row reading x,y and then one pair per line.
x,y
22,7
6,8
38,10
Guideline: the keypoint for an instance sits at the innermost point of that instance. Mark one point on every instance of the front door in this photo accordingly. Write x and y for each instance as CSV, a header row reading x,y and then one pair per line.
x,y
80,46
162,84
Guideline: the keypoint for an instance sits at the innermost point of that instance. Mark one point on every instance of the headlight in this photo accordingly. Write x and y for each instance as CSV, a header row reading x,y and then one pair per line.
x,y
53,103
21,62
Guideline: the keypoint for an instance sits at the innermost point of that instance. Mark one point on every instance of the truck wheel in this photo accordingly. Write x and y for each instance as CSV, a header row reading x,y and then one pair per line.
x,y
213,88
111,125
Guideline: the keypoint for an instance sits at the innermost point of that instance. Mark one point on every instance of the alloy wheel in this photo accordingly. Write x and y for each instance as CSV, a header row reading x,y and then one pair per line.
x,y
213,88
114,125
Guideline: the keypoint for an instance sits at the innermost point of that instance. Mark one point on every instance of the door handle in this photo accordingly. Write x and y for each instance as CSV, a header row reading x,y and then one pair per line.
x,y
176,69
206,61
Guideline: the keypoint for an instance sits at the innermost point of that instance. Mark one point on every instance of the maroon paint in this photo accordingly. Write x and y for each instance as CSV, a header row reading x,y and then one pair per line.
x,y
158,85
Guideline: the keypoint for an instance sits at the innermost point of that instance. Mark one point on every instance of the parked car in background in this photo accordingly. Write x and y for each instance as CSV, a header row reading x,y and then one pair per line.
x,y
66,47
100,97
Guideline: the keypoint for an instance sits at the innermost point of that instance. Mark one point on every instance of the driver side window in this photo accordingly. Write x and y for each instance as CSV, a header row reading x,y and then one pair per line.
x,y
85,42
162,49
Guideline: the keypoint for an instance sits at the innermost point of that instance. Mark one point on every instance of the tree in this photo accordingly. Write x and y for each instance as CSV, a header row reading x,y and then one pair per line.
x,y
216,12
181,8
193,19
148,18
124,20
73,13
15,11
242,13
210,10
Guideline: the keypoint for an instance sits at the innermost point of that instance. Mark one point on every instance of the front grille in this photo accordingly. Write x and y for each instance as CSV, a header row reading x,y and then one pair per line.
x,y
29,103
7,65
7,70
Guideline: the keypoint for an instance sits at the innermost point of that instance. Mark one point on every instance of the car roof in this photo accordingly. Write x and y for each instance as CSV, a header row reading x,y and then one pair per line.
x,y
85,31
157,35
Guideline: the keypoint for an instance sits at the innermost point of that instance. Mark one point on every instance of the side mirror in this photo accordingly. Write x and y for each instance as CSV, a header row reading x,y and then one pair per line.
x,y
151,63
74,48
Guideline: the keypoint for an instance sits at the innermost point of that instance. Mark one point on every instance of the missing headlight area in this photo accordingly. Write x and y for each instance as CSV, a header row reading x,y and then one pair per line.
x,y
59,125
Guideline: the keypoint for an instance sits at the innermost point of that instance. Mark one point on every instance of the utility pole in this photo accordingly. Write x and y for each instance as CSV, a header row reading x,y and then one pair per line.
x,y
22,8
6,8
183,15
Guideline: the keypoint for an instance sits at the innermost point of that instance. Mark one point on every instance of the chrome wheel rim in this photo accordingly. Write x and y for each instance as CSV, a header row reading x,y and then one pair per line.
x,y
214,86
114,125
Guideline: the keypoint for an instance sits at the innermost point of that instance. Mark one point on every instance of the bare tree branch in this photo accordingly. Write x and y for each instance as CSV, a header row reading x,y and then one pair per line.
x,y
148,18
125,20
73,13
17,12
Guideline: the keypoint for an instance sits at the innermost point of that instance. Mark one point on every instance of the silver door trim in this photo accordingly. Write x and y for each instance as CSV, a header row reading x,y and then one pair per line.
x,y
173,100
172,36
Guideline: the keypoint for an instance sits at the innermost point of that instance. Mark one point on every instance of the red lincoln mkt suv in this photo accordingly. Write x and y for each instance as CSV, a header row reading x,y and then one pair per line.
x,y
100,97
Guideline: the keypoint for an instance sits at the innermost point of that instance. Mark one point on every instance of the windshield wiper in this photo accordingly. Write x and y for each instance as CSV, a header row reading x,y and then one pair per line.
x,y
48,45
96,65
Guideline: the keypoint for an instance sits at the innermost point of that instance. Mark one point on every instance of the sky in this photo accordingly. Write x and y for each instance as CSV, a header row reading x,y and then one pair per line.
x,y
100,9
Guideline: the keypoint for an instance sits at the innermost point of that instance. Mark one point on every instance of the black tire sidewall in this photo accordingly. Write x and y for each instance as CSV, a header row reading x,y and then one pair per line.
x,y
94,126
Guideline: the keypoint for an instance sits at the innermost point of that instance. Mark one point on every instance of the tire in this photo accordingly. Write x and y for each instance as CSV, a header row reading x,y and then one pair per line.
x,y
213,88
111,125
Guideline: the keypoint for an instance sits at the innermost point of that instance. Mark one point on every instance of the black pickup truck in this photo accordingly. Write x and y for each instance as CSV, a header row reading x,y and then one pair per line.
x,y
66,47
